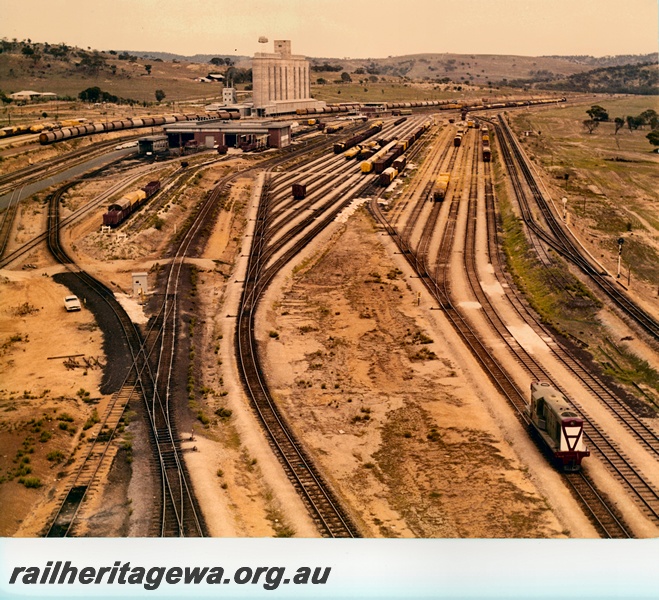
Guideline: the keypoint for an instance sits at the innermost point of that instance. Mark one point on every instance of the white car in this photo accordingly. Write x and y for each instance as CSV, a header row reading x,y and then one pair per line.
x,y
72,303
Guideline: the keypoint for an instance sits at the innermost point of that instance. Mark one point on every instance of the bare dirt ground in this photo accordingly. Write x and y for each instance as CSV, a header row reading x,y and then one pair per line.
x,y
44,406
399,420
45,401
385,407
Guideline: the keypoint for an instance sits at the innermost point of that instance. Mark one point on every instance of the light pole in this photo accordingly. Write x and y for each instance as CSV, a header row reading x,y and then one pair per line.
x,y
621,241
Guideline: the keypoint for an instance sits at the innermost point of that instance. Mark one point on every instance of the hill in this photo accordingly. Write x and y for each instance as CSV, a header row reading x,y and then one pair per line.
x,y
136,76
625,79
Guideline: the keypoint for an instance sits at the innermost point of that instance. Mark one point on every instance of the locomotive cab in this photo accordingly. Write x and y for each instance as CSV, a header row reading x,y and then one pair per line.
x,y
559,426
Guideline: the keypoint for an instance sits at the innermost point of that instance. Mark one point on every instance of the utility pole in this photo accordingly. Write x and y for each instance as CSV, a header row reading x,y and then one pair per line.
x,y
621,241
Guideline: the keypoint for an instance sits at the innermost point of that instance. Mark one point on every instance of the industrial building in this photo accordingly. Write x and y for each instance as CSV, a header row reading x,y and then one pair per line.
x,y
213,133
153,145
281,82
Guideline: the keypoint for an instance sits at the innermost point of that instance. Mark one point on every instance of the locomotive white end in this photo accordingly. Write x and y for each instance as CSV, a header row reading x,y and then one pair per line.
x,y
558,424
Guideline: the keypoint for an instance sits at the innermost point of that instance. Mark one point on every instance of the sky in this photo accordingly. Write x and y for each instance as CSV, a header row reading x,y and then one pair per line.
x,y
341,28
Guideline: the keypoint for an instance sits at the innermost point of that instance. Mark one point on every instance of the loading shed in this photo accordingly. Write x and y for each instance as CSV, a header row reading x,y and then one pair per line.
x,y
248,135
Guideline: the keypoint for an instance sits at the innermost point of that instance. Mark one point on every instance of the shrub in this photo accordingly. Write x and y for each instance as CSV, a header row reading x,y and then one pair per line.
x,y
91,421
55,456
31,482
223,413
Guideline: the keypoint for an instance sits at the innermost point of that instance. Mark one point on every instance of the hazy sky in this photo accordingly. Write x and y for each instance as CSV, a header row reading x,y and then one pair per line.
x,y
341,28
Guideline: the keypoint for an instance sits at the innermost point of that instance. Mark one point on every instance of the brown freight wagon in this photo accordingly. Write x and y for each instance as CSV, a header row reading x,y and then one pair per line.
x,y
299,191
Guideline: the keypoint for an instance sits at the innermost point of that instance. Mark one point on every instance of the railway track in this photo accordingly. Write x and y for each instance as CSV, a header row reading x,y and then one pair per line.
x,y
564,243
10,181
627,417
7,222
331,519
276,241
439,288
179,513
599,511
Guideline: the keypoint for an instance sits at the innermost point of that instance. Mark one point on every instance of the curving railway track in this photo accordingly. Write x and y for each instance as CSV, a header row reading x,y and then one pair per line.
x,y
562,242
283,229
179,513
608,522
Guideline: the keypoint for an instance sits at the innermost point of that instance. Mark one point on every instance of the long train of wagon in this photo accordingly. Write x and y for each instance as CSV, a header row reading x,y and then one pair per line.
x,y
120,210
65,133
357,139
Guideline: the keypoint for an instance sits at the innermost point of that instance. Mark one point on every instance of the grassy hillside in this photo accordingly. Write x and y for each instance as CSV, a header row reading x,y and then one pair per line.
x,y
135,77
626,79
67,71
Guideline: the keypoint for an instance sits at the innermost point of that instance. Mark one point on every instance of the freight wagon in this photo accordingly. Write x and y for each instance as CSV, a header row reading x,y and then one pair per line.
x,y
333,128
299,191
441,185
357,139
120,210
388,175
399,164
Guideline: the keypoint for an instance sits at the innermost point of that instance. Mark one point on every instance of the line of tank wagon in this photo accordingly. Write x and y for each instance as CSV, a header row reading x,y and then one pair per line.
x,y
80,129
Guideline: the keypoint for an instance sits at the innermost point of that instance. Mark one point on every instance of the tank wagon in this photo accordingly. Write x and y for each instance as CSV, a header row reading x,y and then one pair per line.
x,y
65,133
441,185
558,424
120,210
329,109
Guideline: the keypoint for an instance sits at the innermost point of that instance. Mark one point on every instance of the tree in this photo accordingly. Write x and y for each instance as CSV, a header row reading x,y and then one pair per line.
x,y
160,95
597,113
653,137
345,77
91,94
148,69
216,61
591,125
619,123
649,117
